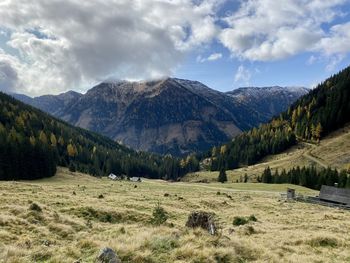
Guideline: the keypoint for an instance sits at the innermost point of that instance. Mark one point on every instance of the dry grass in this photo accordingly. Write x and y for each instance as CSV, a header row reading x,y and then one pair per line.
x,y
333,151
71,227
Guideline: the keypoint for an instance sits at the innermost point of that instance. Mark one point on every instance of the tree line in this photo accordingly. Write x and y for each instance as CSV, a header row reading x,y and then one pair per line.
x,y
33,143
306,176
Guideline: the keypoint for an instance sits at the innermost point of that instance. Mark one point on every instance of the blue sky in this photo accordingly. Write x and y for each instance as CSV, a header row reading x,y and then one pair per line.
x,y
55,46
296,70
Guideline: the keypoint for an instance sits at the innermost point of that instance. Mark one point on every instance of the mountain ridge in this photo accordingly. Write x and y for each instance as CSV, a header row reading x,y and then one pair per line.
x,y
168,115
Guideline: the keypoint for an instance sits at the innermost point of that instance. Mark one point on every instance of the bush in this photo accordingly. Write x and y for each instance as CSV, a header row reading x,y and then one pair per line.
x,y
239,221
160,216
35,207
72,167
252,218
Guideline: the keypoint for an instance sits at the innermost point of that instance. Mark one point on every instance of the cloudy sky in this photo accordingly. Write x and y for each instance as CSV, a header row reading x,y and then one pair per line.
x,y
58,45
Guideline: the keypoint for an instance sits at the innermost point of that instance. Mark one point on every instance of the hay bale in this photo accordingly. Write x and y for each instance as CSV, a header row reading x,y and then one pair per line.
x,y
203,220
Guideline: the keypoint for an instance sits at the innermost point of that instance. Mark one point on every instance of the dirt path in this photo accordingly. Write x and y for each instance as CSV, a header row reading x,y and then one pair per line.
x,y
307,154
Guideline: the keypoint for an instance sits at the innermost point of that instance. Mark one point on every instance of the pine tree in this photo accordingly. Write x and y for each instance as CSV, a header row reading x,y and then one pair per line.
x,y
267,176
222,176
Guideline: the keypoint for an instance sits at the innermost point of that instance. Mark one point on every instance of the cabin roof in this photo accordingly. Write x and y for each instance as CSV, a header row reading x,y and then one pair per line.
x,y
335,194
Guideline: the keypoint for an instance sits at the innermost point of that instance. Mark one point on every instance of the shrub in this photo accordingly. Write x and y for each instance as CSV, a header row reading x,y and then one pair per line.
x,y
239,221
101,196
72,167
35,207
160,216
252,218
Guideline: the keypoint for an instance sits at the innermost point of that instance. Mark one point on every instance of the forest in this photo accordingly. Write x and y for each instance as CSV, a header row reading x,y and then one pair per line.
x,y
323,110
307,176
33,143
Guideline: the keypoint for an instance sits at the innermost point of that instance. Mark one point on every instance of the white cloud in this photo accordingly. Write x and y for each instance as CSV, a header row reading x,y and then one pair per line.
x,y
214,56
243,75
9,66
69,44
211,57
72,44
268,30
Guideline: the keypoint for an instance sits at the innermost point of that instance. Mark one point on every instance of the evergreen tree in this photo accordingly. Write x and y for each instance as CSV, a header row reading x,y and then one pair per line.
x,y
267,176
222,176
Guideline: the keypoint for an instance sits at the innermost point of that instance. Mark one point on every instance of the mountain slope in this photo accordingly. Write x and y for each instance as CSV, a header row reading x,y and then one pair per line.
x,y
323,110
32,143
164,116
332,151
268,101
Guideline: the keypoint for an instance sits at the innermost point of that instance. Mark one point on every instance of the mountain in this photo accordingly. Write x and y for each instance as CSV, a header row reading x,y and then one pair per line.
x,y
52,104
268,101
170,115
33,143
314,115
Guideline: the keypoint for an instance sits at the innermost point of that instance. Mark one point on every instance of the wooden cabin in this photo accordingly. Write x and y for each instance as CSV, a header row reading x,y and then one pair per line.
x,y
335,195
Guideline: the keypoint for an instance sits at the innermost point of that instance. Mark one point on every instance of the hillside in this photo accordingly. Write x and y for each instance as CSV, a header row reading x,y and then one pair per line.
x,y
171,115
323,110
332,151
32,143
74,224
267,101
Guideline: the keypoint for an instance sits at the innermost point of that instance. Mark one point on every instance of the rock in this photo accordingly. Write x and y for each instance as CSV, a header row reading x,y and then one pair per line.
x,y
203,220
107,255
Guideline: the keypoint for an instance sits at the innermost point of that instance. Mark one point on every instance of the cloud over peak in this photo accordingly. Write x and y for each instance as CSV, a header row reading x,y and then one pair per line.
x,y
72,44
76,42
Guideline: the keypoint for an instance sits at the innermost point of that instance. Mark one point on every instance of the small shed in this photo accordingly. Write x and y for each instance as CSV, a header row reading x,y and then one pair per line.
x,y
135,179
290,193
112,176
115,177
335,195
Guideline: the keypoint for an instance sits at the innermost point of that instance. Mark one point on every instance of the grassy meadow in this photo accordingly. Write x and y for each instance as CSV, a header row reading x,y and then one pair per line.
x,y
71,216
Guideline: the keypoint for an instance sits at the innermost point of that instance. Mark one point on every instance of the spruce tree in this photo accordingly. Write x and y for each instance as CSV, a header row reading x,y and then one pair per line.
x,y
222,176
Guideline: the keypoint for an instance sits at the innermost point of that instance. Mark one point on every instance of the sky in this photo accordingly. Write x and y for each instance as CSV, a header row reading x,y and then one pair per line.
x,y
49,47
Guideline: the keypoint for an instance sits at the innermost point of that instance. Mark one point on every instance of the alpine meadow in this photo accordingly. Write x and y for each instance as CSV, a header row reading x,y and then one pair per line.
x,y
186,131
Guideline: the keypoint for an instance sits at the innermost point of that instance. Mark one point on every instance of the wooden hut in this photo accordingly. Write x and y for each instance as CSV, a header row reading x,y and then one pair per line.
x,y
335,195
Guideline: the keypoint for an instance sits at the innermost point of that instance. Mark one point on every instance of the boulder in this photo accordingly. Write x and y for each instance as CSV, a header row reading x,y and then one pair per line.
x,y
107,255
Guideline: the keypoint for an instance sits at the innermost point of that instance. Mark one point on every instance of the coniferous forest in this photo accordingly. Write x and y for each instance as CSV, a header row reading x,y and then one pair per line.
x,y
306,176
323,110
33,143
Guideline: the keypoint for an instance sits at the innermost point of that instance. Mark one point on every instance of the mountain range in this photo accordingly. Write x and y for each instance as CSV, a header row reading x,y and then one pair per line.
x,y
167,116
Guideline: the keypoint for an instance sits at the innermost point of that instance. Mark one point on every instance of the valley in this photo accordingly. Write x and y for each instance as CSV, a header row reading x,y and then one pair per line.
x,y
185,131
81,214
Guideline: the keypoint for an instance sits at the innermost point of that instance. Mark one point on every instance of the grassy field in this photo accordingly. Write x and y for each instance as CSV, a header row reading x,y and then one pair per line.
x,y
75,223
333,151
